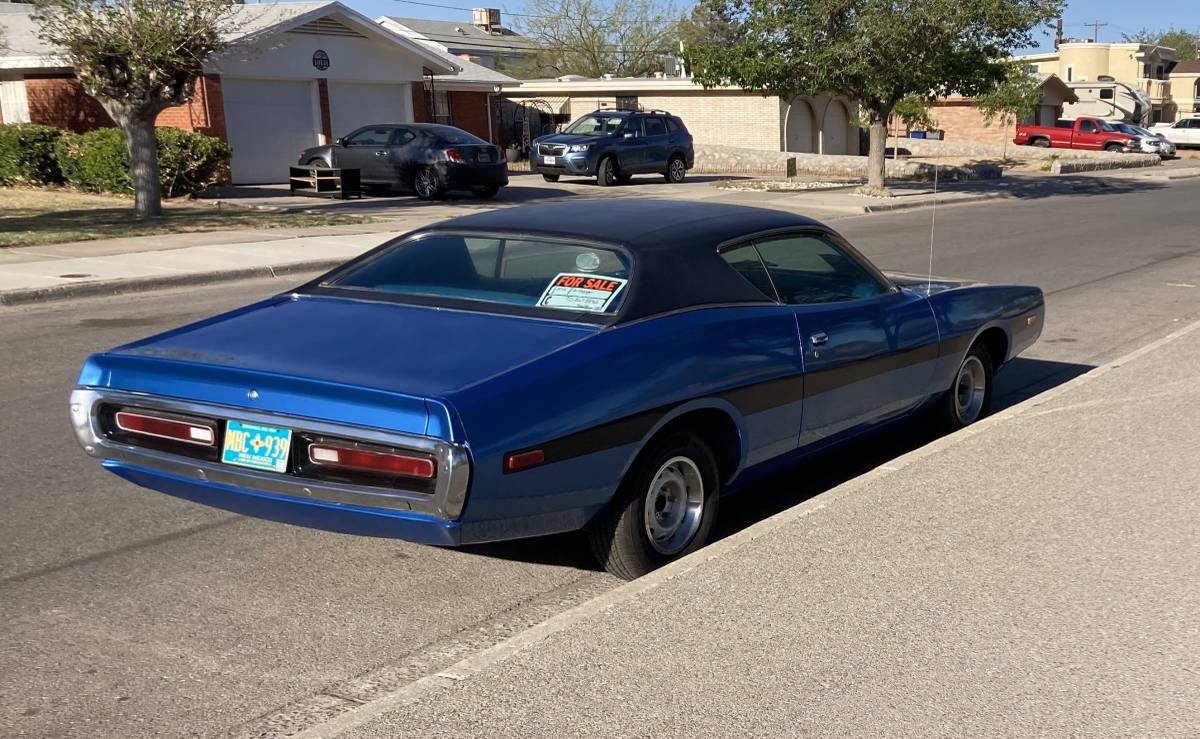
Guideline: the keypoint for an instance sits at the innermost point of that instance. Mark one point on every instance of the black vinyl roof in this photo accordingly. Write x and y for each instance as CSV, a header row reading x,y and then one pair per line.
x,y
673,243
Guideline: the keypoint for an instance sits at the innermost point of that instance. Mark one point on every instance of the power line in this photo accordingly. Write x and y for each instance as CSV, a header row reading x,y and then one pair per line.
x,y
1095,26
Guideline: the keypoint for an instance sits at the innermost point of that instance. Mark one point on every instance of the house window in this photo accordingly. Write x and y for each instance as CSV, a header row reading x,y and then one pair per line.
x,y
1070,74
441,108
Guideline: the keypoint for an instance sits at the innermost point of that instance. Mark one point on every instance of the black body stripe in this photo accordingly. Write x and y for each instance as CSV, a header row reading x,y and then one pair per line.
x,y
748,399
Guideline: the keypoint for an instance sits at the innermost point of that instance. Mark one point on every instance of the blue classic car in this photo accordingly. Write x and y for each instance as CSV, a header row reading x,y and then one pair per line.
x,y
607,366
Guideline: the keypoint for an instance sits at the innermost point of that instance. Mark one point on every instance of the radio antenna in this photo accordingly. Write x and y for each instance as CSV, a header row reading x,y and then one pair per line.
x,y
932,230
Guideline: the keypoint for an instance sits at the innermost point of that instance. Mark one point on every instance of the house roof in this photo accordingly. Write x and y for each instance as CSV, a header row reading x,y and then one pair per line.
x,y
456,35
470,74
1189,67
24,50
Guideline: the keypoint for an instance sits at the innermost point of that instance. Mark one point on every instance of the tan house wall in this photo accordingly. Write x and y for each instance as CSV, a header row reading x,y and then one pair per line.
x,y
963,122
746,121
1184,90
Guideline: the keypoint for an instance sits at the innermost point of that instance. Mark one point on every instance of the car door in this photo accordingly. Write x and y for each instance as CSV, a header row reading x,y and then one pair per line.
x,y
658,144
869,349
367,151
1087,136
631,146
1190,132
402,160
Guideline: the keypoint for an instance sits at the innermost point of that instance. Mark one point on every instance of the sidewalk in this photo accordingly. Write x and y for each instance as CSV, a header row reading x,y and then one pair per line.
x,y
1037,574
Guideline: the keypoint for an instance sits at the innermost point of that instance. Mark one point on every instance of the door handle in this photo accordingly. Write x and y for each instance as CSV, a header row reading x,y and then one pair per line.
x,y
381,153
819,338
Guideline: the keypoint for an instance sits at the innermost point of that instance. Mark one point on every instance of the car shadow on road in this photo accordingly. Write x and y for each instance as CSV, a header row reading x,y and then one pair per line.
x,y
1021,379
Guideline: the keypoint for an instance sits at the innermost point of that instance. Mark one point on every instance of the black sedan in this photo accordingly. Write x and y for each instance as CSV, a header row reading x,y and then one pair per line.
x,y
424,158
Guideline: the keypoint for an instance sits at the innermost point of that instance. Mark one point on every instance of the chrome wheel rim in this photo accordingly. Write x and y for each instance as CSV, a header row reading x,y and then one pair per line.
x,y
970,389
424,184
677,170
674,506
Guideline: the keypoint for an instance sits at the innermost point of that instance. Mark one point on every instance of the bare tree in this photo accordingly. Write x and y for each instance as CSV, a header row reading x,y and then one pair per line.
x,y
625,38
137,58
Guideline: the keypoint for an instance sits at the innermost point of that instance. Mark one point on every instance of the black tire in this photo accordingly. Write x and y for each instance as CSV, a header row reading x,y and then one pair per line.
x,y
317,162
676,170
1041,143
954,411
427,185
550,177
606,173
486,193
620,535
1114,148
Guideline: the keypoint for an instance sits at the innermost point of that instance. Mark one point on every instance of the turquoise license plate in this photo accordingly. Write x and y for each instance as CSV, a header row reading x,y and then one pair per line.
x,y
256,447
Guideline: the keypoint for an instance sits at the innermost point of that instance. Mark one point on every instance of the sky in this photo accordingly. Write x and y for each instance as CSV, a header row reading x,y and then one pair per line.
x,y
1121,16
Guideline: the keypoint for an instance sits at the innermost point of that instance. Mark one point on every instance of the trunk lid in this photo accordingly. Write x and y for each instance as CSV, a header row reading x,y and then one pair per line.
x,y
369,363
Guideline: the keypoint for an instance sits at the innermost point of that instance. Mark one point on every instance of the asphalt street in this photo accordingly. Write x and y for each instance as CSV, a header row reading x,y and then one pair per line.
x,y
127,613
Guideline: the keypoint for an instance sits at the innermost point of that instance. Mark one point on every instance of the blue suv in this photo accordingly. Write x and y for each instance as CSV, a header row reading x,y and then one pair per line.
x,y
614,145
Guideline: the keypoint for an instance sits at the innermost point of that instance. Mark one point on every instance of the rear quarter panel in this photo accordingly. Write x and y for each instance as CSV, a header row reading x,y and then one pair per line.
x,y
965,313
599,400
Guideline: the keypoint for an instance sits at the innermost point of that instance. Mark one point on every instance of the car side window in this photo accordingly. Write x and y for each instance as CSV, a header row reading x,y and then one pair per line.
x,y
402,136
369,137
1087,127
633,126
746,261
655,127
810,268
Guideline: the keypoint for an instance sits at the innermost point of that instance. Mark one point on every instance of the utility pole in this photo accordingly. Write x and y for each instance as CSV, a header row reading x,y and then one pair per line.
x,y
1095,30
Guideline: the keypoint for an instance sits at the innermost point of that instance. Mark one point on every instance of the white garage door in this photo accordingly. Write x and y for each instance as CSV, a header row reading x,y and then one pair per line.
x,y
269,123
353,105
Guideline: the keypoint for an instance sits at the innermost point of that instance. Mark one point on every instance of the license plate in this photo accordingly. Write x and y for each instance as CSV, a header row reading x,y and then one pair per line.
x,y
484,156
549,160
256,447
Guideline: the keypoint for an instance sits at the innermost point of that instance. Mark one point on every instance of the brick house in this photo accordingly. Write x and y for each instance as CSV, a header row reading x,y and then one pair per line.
x,y
960,119
730,116
295,75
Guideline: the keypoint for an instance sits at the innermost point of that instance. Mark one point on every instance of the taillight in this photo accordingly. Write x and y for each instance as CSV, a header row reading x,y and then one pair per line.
x,y
166,428
503,154
455,155
363,460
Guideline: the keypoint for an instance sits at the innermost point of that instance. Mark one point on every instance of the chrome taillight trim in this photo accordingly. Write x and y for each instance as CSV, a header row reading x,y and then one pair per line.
x,y
446,502
126,429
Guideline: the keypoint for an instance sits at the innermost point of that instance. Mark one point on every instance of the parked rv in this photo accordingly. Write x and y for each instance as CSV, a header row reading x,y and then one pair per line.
x,y
1109,100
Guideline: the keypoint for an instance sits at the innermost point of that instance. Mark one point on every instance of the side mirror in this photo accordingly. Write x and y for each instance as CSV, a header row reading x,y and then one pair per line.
x,y
629,135
339,142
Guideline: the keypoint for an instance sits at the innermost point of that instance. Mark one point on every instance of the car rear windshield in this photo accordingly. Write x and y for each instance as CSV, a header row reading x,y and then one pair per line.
x,y
455,136
595,125
533,273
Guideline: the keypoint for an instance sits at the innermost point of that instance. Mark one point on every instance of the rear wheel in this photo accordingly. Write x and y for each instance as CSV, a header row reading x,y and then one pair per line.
x,y
1041,143
663,510
676,170
426,184
970,397
550,177
606,173
1114,148
318,162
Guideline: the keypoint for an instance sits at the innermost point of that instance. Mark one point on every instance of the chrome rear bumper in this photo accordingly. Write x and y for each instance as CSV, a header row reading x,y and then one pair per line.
x,y
446,502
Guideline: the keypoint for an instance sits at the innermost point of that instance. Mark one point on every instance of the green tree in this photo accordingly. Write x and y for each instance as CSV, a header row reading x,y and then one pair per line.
x,y
626,38
1016,97
1185,43
137,58
876,51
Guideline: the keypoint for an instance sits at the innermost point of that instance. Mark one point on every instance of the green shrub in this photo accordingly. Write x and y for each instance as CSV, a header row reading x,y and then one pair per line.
x,y
27,154
97,161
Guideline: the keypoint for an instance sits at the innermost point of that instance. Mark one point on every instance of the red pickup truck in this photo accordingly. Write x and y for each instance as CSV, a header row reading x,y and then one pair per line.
x,y
1082,133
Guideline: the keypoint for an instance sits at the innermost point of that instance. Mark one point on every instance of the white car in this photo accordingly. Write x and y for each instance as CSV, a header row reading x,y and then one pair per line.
x,y
1149,141
1184,132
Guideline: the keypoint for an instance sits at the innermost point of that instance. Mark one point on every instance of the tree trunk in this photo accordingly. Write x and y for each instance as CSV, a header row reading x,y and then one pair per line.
x,y
142,146
876,159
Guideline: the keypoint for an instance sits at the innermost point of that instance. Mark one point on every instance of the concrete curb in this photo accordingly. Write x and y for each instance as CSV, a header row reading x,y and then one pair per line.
x,y
533,636
98,288
981,197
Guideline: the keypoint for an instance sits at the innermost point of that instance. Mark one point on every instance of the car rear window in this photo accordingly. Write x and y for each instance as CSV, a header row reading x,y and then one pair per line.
x,y
456,136
534,273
